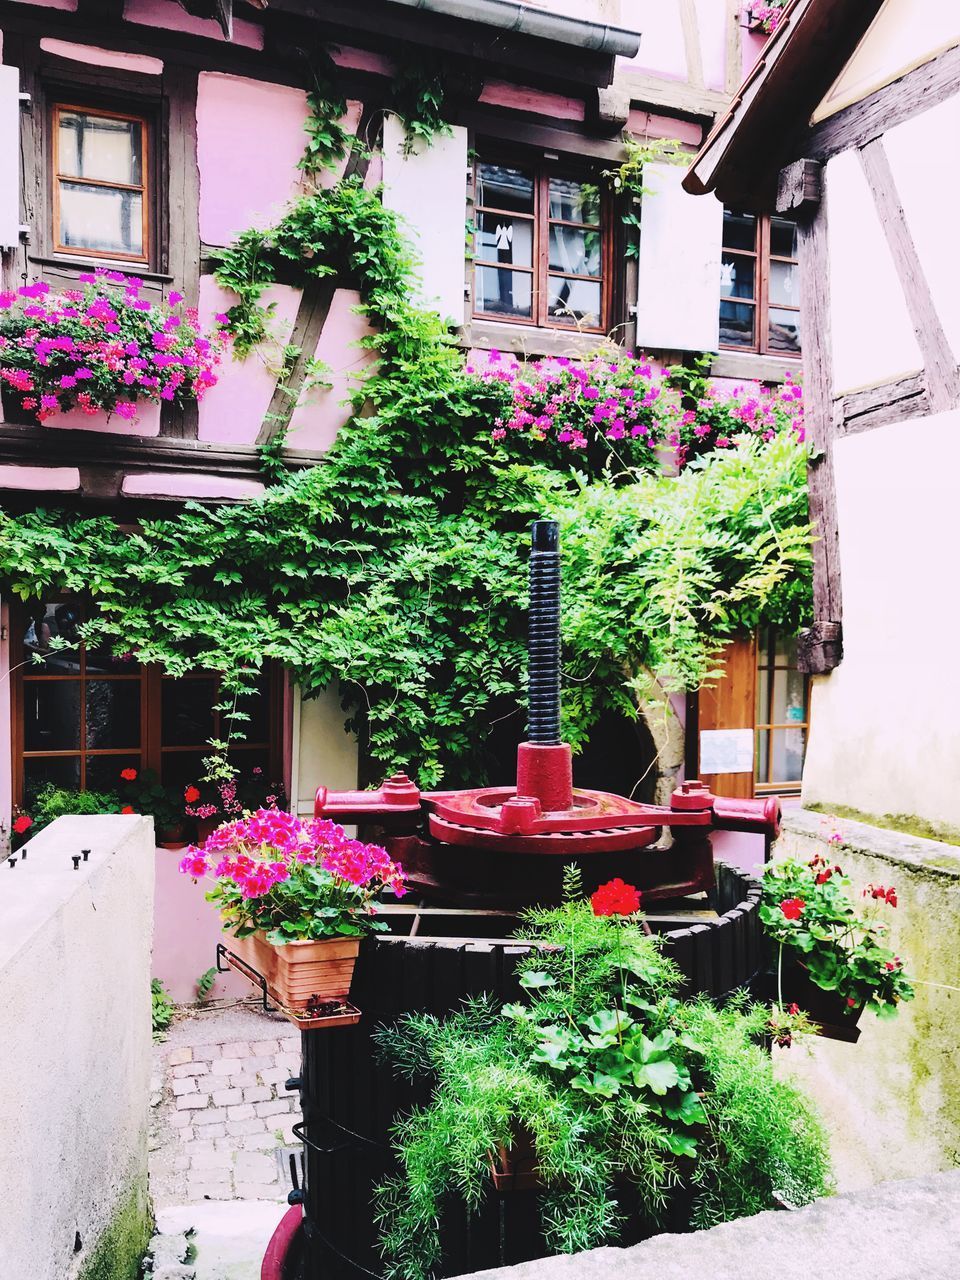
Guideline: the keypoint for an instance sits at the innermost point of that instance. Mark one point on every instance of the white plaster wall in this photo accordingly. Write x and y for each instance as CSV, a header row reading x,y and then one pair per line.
x,y
75,1040
428,190
678,294
324,753
884,736
873,339
929,191
904,34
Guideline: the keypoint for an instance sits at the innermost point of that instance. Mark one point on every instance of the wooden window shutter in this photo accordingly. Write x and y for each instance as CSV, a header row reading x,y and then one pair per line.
x,y
729,705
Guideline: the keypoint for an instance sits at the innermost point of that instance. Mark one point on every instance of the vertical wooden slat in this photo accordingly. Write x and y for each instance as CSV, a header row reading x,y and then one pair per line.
x,y
730,703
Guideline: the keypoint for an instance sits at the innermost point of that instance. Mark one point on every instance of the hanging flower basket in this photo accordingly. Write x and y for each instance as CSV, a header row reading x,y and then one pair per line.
x,y
834,1016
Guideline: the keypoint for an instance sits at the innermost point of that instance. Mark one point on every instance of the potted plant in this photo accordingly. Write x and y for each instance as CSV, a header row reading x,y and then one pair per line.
x,y
832,960
615,1101
226,793
100,348
295,898
142,792
764,15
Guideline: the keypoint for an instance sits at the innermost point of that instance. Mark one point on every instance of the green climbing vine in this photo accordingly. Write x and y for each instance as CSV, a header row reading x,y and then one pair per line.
x,y
396,571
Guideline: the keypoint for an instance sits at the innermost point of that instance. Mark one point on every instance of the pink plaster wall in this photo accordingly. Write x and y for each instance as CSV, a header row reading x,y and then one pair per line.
x,y
249,139
753,45
233,410
661,42
6,769
321,412
67,6
647,124
362,60
91,55
202,485
498,93
712,26
186,931
168,14
37,479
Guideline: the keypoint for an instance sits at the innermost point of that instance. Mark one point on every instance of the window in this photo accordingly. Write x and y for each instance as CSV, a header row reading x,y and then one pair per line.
x,y
540,246
759,285
101,196
783,716
82,715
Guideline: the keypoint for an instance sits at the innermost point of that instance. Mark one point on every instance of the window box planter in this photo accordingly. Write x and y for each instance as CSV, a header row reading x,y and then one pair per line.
x,y
146,422
301,974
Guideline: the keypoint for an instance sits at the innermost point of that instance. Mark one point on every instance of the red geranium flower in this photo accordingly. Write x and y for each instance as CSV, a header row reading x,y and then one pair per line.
x,y
616,899
792,908
128,775
22,824
128,808
191,795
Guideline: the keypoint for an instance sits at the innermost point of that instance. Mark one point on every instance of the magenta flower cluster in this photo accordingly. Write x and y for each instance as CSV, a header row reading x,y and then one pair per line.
x,y
103,347
327,878
722,419
575,405
765,13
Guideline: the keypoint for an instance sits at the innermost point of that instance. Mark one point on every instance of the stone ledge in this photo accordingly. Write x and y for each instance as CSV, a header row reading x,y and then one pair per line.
x,y
932,857
895,1231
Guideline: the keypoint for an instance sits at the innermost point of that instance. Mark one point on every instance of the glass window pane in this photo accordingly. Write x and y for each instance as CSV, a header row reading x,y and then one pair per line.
x,y
574,301
113,713
48,621
763,754
789,697
783,238
62,772
100,147
785,652
186,712
737,324
763,693
500,187
575,251
788,745
102,660
180,768
101,218
503,239
503,292
739,230
103,772
51,715
785,283
737,276
574,201
256,728
784,331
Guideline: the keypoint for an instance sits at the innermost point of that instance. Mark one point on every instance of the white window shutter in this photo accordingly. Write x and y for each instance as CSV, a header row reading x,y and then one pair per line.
x,y
9,157
678,296
428,190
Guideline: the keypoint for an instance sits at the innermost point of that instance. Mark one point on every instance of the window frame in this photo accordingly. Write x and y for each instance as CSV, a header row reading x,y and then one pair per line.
x,y
766,660
145,107
760,300
542,170
150,751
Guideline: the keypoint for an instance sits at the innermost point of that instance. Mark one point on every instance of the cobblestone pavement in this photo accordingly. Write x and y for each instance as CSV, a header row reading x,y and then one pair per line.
x,y
221,1118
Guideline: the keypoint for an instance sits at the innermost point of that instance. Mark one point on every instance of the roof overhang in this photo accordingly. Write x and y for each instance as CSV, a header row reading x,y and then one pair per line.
x,y
766,123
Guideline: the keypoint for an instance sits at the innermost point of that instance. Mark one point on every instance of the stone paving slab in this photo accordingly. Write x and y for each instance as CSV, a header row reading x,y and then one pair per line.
x,y
894,1231
220,1112
229,1237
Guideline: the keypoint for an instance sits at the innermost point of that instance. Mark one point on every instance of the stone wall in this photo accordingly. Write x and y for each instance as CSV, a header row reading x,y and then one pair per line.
x,y
76,1038
892,1101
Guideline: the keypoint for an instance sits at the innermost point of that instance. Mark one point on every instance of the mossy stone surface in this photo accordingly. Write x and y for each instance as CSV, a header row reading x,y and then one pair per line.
x,y
118,1254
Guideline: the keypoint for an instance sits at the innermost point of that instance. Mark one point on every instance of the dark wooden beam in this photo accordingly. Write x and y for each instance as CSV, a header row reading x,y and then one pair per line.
x,y
877,406
820,648
800,187
818,417
939,364
915,91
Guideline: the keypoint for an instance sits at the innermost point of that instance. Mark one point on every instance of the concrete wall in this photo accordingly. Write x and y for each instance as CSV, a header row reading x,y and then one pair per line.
x,y
76,1040
883,741
891,1102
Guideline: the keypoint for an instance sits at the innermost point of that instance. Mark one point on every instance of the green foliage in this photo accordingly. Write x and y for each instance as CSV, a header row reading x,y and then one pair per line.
x,y
162,1008
205,984
616,1083
54,802
417,96
627,180
806,908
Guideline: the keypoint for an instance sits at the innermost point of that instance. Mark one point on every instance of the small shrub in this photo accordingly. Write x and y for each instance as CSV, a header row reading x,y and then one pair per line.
x,y
162,1008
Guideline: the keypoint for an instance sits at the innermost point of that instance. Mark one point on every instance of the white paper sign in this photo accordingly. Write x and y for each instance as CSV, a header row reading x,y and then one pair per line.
x,y
726,751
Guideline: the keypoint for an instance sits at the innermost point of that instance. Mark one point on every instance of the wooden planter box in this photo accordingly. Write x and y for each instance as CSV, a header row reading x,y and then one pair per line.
x,y
298,971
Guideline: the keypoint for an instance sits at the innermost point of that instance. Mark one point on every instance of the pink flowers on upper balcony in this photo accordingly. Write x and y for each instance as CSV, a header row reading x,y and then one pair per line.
x,y
98,336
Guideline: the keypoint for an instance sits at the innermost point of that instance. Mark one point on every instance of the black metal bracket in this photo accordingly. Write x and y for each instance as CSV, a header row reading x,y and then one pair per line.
x,y
248,971
349,1137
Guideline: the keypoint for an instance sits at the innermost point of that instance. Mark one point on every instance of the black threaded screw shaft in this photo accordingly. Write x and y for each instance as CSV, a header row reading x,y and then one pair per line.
x,y
543,651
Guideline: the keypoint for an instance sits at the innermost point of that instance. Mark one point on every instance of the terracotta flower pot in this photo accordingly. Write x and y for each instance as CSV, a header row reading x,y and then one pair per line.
x,y
206,827
514,1168
299,971
172,837
835,1019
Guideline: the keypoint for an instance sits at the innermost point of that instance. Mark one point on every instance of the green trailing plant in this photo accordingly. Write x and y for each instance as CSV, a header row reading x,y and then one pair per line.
x,y
162,1008
638,1106
417,95
626,180
205,984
